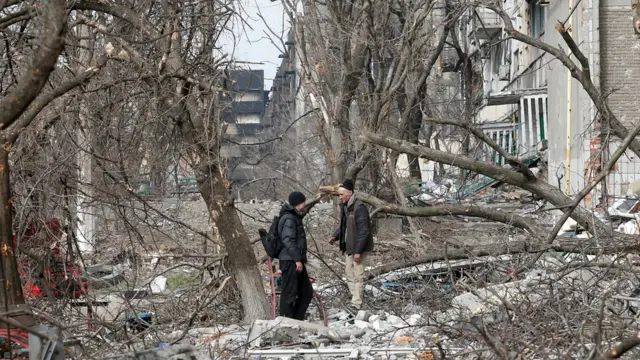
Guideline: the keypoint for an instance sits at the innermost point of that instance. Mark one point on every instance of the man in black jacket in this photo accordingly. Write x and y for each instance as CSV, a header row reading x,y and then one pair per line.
x,y
296,291
355,240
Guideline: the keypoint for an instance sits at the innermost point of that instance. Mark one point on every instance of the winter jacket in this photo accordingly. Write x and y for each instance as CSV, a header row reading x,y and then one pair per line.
x,y
354,232
292,234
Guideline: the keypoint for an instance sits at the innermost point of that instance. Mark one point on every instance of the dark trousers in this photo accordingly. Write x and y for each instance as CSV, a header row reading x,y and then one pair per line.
x,y
296,291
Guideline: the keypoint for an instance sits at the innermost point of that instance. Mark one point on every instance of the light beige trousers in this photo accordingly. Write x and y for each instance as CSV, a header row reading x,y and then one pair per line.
x,y
354,272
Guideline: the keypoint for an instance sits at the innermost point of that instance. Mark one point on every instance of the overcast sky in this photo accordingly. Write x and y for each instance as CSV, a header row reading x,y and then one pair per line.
x,y
254,41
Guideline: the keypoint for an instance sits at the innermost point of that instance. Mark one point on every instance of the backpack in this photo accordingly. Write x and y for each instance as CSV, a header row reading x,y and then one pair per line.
x,y
271,241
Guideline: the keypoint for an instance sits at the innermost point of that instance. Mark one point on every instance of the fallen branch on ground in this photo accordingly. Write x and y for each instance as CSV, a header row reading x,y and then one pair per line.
x,y
445,210
567,245
623,347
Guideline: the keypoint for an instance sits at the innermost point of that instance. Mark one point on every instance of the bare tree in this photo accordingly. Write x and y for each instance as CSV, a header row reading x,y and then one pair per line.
x,y
355,58
15,106
170,73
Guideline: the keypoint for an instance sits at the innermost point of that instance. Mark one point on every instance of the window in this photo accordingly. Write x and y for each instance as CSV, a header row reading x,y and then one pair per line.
x,y
537,14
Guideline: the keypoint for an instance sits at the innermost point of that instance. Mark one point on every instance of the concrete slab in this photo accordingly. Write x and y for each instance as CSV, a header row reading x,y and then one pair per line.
x,y
262,331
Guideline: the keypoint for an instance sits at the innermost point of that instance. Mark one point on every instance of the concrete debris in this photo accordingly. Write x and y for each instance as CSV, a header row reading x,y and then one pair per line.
x,y
362,324
273,338
363,315
531,289
630,227
351,353
285,330
178,352
625,208
158,284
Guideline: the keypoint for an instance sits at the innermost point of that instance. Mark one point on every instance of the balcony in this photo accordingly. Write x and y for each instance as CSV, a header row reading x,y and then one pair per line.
x,y
486,25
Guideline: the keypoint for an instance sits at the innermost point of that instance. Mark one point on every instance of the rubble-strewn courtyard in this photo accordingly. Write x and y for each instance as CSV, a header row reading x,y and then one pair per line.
x,y
422,309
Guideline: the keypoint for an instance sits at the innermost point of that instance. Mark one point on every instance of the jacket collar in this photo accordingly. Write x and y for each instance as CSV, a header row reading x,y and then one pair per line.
x,y
352,200
286,208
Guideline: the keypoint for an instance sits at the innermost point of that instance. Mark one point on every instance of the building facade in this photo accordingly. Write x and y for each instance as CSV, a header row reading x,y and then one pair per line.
x,y
246,126
531,102
514,109
604,32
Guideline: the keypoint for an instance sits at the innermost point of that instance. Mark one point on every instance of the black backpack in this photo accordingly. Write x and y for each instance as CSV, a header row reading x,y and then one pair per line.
x,y
271,241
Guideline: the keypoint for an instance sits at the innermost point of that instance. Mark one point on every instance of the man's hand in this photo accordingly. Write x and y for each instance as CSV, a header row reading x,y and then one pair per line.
x,y
299,266
332,241
356,258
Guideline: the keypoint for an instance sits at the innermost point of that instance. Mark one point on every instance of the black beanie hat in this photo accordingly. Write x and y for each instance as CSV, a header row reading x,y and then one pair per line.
x,y
296,198
347,184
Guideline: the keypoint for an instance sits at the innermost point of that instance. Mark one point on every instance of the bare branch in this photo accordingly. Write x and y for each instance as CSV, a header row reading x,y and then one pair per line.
x,y
43,101
443,210
511,160
623,347
42,64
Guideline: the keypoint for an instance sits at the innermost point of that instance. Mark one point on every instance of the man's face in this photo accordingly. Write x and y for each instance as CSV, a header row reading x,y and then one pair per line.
x,y
301,207
344,195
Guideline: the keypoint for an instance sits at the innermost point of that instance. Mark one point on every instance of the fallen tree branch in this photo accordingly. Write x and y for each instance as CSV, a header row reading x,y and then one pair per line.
x,y
584,192
553,195
443,210
310,203
516,163
568,245
622,348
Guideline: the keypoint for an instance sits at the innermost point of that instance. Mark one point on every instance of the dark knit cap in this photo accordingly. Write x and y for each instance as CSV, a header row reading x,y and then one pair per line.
x,y
296,198
347,184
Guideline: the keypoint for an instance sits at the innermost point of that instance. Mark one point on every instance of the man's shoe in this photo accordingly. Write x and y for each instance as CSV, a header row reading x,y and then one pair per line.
x,y
352,309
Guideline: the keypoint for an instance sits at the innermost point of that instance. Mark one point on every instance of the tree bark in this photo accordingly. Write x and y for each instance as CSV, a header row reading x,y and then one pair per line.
x,y
12,294
413,135
200,128
242,260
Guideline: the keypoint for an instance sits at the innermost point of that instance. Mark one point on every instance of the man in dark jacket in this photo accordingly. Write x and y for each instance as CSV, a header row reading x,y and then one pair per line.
x,y
296,291
355,239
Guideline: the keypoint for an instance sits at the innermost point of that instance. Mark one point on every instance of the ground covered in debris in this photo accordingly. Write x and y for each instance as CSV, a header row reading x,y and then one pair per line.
x,y
159,283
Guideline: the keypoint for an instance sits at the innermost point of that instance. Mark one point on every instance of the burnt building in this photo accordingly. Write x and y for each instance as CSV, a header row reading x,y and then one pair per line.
x,y
245,125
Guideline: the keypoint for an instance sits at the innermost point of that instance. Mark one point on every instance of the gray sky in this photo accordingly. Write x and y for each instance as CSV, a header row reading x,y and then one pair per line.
x,y
254,41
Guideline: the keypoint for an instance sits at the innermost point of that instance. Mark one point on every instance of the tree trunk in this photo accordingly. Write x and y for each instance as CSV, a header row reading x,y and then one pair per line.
x,y
242,260
468,103
338,156
11,295
413,135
